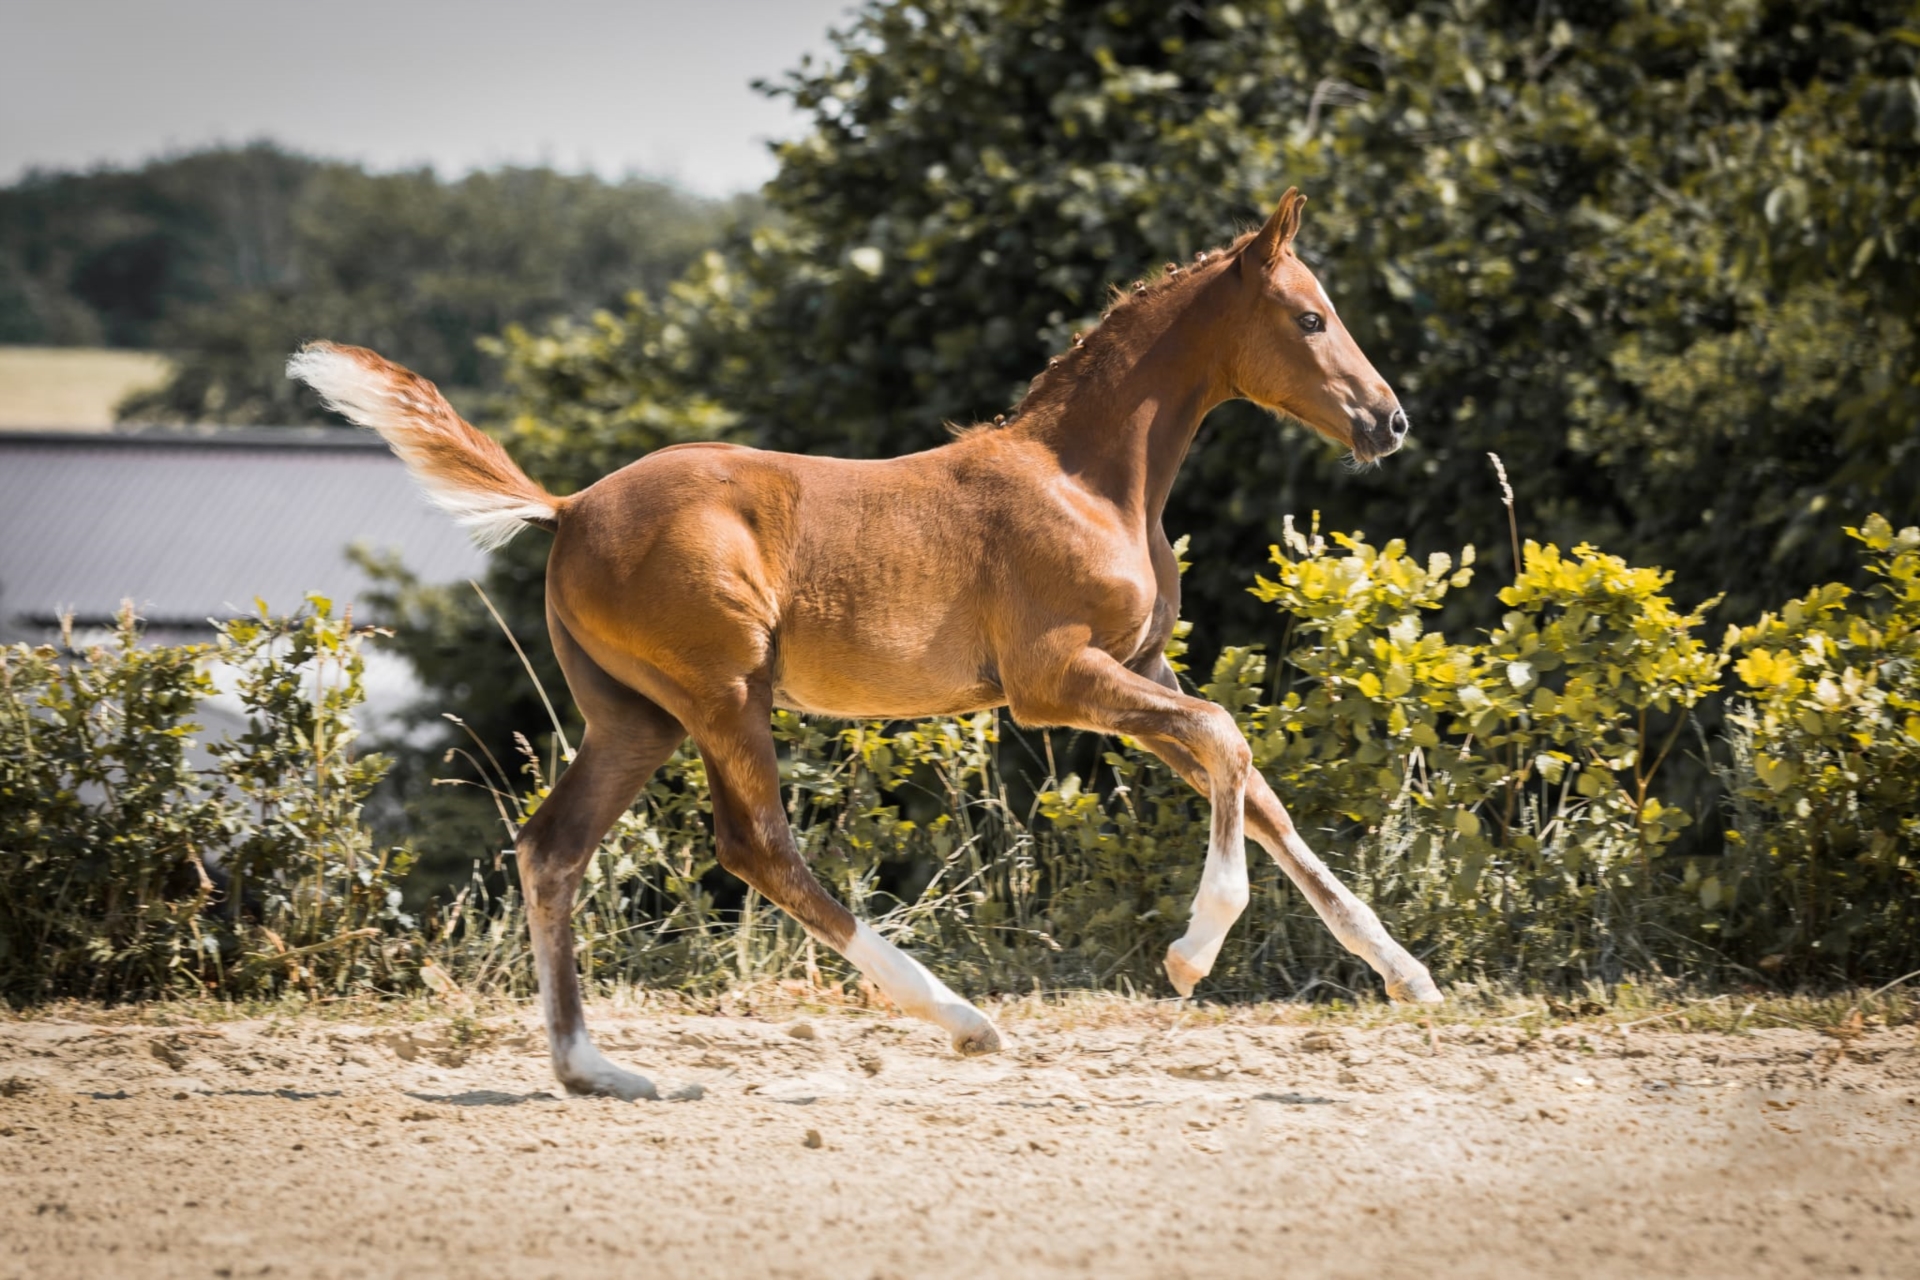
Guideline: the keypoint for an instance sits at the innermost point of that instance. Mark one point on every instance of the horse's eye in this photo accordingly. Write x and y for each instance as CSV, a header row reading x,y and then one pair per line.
x,y
1311,322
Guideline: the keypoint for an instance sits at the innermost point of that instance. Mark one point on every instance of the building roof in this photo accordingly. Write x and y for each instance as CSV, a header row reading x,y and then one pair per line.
x,y
194,523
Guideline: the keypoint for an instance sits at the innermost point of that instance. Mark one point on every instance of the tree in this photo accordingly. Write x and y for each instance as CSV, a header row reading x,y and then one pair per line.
x,y
1661,260
112,256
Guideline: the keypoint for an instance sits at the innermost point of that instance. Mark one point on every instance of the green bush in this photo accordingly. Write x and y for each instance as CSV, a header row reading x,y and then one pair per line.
x,y
128,868
103,823
1822,869
1505,801
1502,801
1499,794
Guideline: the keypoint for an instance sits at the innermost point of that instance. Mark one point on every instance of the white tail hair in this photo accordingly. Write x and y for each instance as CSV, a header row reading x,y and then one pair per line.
x,y
465,473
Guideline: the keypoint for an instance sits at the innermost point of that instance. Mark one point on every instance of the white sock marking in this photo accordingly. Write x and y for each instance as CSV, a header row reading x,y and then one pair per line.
x,y
907,983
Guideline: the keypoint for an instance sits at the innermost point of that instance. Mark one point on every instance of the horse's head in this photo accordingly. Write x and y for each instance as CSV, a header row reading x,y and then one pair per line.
x,y
1291,353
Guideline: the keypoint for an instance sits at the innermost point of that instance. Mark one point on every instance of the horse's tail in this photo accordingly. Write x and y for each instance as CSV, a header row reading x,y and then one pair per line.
x,y
464,472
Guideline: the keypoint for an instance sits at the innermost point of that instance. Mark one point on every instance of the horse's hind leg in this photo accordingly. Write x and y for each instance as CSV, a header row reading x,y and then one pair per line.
x,y
627,738
754,842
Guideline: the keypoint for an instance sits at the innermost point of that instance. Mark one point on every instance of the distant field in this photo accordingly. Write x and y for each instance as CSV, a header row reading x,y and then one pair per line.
x,y
71,388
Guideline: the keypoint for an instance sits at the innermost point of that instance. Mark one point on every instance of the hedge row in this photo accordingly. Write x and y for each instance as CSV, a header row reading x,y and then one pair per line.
x,y
1508,801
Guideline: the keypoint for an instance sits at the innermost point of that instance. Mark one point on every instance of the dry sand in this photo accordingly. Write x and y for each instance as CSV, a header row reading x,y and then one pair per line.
x,y
1117,1140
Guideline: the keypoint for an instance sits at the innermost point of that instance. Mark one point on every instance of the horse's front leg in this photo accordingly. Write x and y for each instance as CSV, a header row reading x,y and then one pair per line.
x,y
1223,893
1352,921
1094,691
1220,900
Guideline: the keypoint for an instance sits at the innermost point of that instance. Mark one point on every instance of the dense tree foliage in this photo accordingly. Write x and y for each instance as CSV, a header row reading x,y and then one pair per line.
x,y
1661,257
232,258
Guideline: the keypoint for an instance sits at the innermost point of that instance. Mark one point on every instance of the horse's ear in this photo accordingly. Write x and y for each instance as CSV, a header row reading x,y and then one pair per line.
x,y
1276,237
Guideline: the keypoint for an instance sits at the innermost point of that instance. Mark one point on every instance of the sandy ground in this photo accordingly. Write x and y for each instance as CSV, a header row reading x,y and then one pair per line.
x,y
1131,1140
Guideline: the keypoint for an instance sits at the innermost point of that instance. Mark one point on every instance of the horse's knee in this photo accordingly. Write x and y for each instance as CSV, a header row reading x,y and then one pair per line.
x,y
1239,756
1227,757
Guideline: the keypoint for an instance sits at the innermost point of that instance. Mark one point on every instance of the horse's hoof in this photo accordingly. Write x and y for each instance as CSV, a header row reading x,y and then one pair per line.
x,y
1182,974
614,1083
981,1039
1415,989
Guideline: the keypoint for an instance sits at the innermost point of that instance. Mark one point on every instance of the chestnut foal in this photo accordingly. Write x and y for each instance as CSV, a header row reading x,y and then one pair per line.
x,y
1021,565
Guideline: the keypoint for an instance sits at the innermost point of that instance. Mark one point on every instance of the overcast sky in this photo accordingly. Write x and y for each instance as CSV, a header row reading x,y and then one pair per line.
x,y
614,86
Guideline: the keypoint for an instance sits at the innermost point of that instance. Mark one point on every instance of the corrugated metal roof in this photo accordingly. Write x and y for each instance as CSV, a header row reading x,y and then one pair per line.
x,y
195,523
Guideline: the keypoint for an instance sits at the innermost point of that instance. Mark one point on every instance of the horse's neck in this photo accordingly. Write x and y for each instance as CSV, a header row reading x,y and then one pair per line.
x,y
1125,427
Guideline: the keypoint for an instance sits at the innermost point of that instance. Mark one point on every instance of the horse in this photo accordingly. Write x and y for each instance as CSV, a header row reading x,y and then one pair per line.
x,y
1021,565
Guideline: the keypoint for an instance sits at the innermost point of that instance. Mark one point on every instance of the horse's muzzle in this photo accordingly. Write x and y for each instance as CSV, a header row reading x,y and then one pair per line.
x,y
1375,436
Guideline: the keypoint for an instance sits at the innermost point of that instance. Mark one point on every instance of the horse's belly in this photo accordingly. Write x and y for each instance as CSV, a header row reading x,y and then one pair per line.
x,y
834,679
855,705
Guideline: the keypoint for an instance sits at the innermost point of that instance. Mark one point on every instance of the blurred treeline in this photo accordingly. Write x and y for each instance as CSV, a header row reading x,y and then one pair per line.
x,y
229,258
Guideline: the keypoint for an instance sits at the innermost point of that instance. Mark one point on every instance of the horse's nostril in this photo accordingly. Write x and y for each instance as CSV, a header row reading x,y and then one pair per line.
x,y
1398,423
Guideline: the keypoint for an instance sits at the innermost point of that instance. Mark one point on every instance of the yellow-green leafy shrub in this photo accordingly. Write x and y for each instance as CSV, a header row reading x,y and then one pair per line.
x,y
1493,796
1823,864
128,867
1505,799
